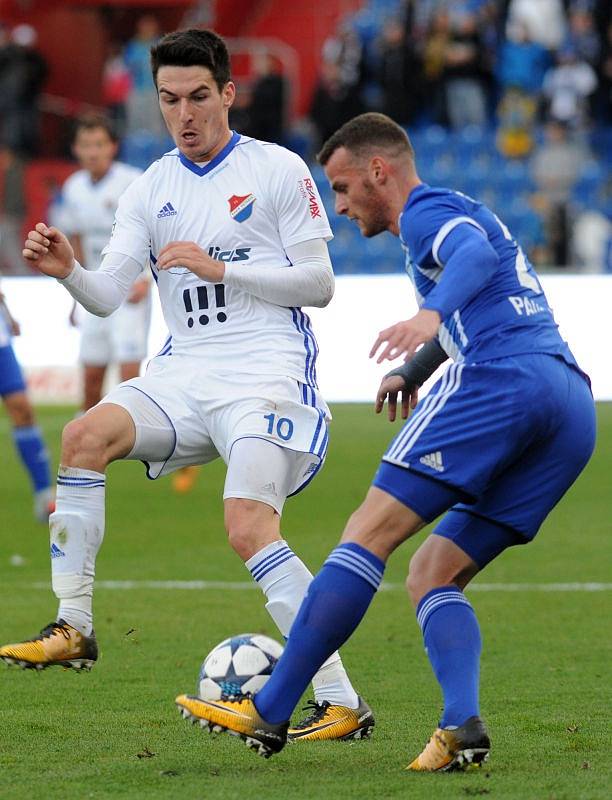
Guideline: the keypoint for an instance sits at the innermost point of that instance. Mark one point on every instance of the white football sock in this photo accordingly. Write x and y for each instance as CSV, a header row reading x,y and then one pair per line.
x,y
284,579
76,531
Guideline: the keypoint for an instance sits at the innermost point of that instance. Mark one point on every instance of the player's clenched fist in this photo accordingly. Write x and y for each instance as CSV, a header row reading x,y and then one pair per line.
x,y
49,251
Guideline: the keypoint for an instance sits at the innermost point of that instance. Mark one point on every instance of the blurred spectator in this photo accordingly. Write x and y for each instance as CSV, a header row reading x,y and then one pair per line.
x,y
239,114
345,50
23,71
521,68
399,73
142,106
522,62
12,213
582,35
555,168
116,88
516,114
567,87
464,74
544,19
434,57
591,239
267,107
334,102
604,94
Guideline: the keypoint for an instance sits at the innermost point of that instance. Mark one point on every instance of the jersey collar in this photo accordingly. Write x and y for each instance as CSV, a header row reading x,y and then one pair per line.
x,y
215,161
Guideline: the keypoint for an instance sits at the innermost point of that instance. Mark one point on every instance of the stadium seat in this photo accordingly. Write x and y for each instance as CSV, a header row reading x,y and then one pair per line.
x,y
142,148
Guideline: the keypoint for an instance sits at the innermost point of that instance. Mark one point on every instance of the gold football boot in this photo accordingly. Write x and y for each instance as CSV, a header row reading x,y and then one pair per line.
x,y
327,721
238,717
456,749
58,643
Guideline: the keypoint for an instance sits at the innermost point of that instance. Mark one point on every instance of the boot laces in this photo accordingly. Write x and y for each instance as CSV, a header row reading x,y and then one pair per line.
x,y
317,712
53,628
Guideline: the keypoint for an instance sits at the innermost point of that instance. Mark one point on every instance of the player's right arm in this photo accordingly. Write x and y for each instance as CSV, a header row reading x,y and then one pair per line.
x,y
101,291
49,251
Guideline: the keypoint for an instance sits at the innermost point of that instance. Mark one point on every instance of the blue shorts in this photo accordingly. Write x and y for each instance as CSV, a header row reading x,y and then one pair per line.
x,y
11,376
499,443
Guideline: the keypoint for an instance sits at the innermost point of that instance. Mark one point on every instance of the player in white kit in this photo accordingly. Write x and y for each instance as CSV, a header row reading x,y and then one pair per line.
x,y
89,202
236,236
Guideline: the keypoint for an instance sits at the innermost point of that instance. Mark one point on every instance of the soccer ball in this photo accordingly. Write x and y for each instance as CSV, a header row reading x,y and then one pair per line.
x,y
238,665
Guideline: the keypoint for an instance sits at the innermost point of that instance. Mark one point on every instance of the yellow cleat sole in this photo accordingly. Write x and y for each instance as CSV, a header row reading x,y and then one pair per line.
x,y
253,744
77,664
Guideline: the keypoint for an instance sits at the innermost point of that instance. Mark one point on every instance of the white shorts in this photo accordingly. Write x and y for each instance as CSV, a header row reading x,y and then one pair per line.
x,y
120,338
208,413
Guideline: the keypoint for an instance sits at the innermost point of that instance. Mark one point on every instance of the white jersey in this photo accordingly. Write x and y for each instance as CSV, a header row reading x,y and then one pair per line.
x,y
248,204
88,208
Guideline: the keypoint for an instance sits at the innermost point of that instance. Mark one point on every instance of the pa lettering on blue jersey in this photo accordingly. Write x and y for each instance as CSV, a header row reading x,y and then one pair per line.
x,y
465,264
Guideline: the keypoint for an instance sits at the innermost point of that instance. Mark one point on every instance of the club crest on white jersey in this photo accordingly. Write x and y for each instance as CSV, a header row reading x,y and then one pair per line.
x,y
270,193
241,207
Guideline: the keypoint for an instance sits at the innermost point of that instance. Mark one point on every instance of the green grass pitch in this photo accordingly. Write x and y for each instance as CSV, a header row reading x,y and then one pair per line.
x,y
115,732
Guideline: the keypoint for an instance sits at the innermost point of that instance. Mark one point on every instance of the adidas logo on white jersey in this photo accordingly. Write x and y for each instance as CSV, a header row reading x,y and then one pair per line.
x,y
167,211
433,460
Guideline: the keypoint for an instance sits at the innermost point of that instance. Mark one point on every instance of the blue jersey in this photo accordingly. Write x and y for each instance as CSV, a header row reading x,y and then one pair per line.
x,y
508,314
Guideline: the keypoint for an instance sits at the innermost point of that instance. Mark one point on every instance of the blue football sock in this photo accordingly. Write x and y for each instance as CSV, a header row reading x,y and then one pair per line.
x,y
31,448
337,599
452,642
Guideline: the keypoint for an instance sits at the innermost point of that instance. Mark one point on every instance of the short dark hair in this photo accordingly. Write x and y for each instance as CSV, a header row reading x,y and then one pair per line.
x,y
193,48
362,133
90,122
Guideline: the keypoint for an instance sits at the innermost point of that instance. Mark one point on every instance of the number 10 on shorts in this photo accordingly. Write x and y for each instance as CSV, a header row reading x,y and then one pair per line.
x,y
282,425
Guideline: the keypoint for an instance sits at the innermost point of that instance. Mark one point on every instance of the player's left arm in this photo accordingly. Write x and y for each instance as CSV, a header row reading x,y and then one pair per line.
x,y
469,262
408,379
308,281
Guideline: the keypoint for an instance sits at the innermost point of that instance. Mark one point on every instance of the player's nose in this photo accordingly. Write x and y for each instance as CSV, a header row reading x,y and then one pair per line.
x,y
341,205
185,111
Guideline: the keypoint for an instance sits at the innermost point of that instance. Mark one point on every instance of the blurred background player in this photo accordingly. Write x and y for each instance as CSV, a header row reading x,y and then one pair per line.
x,y
237,237
89,202
26,434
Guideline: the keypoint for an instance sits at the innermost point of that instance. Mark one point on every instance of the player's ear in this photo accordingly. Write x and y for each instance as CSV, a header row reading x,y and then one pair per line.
x,y
229,94
378,170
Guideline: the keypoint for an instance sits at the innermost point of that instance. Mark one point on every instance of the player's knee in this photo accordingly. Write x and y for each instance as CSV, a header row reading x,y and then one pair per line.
x,y
250,525
81,442
241,537
423,576
239,530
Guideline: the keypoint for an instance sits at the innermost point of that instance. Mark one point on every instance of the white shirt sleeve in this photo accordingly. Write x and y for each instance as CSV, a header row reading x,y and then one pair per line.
x,y
307,281
300,213
103,290
130,235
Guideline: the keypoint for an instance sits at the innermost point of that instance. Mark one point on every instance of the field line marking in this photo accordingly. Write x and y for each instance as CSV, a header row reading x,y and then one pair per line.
x,y
389,587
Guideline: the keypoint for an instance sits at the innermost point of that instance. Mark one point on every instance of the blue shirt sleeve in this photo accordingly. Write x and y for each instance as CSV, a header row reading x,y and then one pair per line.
x,y
468,262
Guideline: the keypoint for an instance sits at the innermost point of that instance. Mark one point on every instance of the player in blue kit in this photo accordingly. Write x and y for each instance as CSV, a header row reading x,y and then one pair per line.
x,y
496,443
26,434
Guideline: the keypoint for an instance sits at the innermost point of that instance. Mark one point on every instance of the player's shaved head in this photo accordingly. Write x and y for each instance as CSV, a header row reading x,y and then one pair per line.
x,y
366,134
193,48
